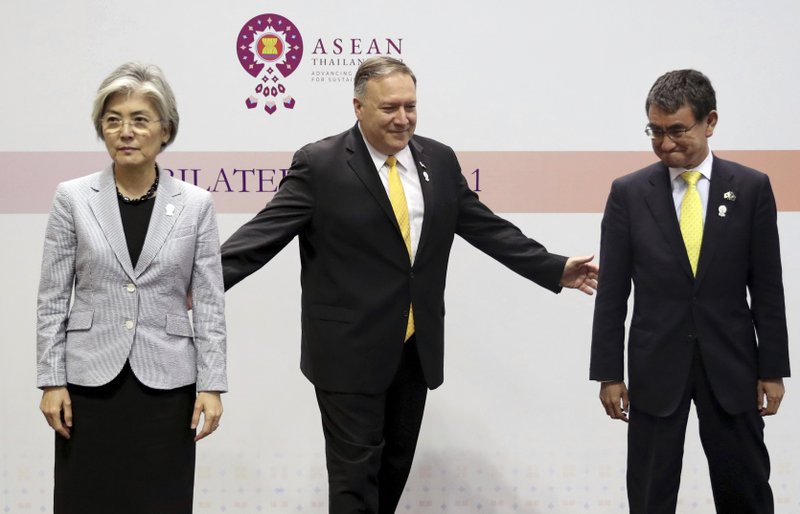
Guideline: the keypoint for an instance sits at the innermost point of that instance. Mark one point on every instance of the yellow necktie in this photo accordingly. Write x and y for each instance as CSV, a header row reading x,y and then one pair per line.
x,y
398,199
692,218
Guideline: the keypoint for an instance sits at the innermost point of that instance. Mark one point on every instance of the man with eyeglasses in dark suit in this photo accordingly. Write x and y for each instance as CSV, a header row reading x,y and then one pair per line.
x,y
694,234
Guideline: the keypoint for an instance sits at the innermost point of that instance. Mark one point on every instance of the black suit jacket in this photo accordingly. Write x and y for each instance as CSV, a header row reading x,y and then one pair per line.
x,y
356,276
673,311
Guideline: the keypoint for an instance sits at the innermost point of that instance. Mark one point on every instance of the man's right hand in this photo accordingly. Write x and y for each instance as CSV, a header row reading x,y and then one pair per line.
x,y
614,397
55,401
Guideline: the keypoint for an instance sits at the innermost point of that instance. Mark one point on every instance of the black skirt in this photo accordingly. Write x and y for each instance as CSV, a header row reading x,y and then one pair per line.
x,y
131,450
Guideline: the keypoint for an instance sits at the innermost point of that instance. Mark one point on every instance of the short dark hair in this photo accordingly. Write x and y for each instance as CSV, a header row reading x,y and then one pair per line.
x,y
677,88
378,67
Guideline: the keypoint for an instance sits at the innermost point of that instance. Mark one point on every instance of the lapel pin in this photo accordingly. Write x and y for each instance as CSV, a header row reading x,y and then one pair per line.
x,y
729,196
722,210
170,209
422,165
425,176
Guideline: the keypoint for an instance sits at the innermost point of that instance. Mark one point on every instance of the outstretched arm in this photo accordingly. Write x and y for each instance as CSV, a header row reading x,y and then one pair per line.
x,y
261,238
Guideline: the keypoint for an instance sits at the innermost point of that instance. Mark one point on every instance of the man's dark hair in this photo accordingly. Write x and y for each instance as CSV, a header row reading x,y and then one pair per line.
x,y
677,88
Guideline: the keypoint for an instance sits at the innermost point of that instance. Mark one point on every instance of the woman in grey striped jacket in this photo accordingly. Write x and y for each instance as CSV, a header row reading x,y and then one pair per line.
x,y
126,372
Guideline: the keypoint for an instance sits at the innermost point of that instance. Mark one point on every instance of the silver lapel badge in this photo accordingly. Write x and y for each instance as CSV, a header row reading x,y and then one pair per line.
x,y
170,209
424,172
729,196
721,211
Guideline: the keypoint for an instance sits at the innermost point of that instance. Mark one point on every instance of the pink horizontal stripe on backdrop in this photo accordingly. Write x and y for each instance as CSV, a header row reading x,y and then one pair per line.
x,y
520,182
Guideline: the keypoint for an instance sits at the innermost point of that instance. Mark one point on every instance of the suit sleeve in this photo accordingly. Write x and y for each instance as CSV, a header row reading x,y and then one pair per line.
x,y
55,291
504,242
614,287
256,242
208,304
765,284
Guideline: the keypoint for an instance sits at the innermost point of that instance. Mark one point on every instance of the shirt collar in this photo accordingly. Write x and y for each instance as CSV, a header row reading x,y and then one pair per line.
x,y
704,168
404,157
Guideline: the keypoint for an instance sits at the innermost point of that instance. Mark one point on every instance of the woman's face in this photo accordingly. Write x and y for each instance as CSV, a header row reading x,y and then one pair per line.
x,y
132,131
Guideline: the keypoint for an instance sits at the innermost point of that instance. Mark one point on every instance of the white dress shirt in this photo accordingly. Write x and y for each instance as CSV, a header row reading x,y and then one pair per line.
x,y
679,186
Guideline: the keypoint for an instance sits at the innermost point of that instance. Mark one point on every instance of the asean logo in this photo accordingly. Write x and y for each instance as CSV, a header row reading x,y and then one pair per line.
x,y
270,48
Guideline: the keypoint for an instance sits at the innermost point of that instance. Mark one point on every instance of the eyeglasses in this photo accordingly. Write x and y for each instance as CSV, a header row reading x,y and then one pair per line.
x,y
139,124
673,133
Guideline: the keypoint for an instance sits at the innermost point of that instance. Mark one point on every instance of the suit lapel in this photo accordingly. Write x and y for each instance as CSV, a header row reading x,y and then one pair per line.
x,y
166,210
715,225
361,163
427,185
660,202
106,210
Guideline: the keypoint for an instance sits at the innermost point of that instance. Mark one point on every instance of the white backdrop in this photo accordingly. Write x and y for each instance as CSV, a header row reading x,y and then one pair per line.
x,y
517,426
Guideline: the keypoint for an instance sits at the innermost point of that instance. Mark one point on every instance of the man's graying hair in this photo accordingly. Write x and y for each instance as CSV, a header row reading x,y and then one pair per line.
x,y
677,88
376,67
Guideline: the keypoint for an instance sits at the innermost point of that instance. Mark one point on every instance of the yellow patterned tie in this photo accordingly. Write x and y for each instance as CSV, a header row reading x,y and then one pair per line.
x,y
398,198
692,218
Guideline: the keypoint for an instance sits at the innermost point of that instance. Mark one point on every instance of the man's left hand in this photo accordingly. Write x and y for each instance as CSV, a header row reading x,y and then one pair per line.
x,y
580,273
772,389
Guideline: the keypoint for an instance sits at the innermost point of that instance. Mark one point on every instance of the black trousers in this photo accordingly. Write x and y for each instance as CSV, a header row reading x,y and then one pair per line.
x,y
738,461
370,440
131,450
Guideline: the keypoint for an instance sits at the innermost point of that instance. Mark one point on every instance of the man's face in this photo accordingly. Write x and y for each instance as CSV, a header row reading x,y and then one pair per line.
x,y
388,112
688,150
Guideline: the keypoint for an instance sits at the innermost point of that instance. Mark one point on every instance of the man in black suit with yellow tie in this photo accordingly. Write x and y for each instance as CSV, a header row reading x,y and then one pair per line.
x,y
694,234
376,209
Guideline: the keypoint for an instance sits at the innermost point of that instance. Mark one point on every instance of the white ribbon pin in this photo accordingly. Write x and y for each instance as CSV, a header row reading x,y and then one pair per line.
x,y
424,173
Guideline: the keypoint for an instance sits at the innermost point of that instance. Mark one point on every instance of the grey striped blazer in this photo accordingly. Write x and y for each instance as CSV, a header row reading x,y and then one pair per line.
x,y
95,310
